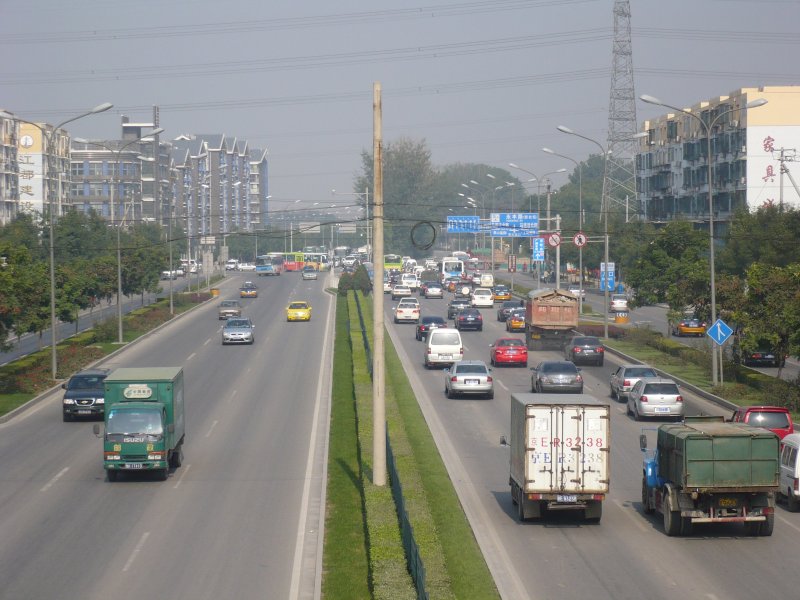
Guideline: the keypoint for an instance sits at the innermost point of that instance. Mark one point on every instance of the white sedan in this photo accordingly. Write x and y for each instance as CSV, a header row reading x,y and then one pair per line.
x,y
247,267
482,298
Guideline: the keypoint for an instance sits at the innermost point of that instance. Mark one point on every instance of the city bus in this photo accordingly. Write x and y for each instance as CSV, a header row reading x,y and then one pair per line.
x,y
293,261
319,260
267,264
392,261
452,267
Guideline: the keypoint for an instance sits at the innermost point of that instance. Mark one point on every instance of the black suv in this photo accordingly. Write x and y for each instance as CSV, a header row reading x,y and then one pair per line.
x,y
585,349
85,394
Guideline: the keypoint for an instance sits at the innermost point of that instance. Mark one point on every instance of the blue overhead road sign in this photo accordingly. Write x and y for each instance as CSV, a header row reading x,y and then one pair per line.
x,y
719,332
514,224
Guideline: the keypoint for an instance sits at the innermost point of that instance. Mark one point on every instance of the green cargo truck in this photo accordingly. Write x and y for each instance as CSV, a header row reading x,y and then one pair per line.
x,y
144,421
705,470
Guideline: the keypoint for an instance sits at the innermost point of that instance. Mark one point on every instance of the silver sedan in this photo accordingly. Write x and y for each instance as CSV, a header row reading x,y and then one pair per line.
x,y
468,377
238,331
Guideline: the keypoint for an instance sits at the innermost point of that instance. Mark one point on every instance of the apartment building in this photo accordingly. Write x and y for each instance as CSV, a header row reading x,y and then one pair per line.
x,y
9,169
748,149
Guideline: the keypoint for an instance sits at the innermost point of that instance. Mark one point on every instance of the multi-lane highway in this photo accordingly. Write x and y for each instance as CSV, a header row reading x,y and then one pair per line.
x,y
239,519
627,555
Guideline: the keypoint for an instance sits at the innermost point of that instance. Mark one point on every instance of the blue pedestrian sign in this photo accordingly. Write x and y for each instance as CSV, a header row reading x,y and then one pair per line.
x,y
719,332
463,224
538,250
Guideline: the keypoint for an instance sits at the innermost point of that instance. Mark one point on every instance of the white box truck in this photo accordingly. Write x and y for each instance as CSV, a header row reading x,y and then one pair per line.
x,y
560,454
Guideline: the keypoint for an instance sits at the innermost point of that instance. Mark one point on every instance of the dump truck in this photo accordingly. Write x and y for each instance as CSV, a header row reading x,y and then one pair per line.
x,y
560,454
144,421
550,318
706,470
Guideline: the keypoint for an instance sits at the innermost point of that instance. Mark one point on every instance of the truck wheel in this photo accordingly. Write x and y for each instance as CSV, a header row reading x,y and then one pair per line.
x,y
672,518
521,510
648,510
792,503
765,527
176,460
686,526
593,511
111,475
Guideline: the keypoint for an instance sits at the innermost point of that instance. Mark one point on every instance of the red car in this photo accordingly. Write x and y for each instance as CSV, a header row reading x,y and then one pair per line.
x,y
775,418
508,351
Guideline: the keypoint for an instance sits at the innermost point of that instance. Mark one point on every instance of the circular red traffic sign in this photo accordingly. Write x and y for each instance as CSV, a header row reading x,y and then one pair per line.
x,y
579,239
553,240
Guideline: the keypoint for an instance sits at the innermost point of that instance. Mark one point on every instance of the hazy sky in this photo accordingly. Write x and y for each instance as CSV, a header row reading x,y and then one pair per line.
x,y
480,81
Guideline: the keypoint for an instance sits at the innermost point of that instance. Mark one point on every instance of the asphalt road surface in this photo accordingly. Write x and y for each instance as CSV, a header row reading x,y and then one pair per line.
x,y
240,519
626,555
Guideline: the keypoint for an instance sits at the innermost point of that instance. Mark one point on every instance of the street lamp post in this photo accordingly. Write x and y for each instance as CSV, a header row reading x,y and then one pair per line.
x,y
707,128
604,208
117,154
48,138
580,223
365,195
539,181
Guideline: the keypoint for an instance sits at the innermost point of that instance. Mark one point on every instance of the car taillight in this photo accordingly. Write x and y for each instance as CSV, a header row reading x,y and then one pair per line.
x,y
454,378
796,486
679,399
626,382
428,350
461,352
576,350
578,378
643,399
601,350
489,379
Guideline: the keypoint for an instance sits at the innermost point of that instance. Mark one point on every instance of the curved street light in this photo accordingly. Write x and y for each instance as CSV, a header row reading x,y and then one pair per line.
x,y
48,135
707,128
604,208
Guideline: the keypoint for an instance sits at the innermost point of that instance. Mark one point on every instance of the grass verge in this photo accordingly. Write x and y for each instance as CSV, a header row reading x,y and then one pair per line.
x,y
345,556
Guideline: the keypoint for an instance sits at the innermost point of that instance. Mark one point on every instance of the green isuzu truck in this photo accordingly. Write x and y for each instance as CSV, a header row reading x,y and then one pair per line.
x,y
705,470
144,421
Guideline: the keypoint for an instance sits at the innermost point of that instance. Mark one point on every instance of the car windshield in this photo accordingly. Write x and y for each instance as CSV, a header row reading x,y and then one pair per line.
x,y
563,367
510,343
669,389
298,305
640,372
446,338
86,382
769,419
130,421
463,369
237,323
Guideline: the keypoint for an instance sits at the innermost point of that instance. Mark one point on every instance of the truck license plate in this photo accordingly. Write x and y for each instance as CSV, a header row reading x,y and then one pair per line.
x,y
728,503
134,465
567,498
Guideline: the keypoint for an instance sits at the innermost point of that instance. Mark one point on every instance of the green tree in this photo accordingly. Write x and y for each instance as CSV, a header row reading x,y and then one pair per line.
x,y
767,236
771,309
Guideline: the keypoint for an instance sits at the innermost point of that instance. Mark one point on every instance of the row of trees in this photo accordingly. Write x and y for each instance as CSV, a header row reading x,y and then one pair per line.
x,y
757,259
85,252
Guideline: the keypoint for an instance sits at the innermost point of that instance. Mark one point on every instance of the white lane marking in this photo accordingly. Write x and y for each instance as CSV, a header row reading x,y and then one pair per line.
x,y
229,398
206,342
136,550
55,478
184,470
502,385
633,515
294,588
789,523
191,356
210,429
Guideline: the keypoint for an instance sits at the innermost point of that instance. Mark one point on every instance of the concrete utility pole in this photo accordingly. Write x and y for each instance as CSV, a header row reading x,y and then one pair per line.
x,y
378,373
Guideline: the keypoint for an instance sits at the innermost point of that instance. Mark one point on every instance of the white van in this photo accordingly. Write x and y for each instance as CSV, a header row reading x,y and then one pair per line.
x,y
443,347
409,279
487,280
790,471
